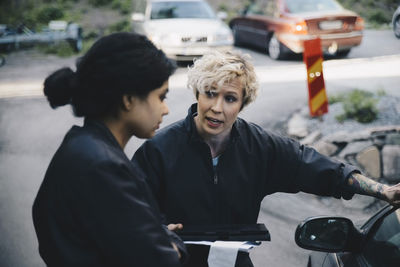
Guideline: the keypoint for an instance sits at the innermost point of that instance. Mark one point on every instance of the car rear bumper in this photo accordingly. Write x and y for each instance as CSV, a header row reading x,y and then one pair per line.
x,y
184,53
341,41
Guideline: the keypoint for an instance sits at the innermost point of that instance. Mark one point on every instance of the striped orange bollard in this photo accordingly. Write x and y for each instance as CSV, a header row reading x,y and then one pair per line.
x,y
313,58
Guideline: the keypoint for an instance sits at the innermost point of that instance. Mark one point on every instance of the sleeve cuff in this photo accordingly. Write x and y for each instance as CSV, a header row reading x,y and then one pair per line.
x,y
347,170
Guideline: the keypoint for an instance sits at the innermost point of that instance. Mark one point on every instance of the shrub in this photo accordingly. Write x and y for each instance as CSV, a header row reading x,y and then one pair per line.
x,y
120,26
48,13
61,49
336,98
379,17
360,106
99,2
124,6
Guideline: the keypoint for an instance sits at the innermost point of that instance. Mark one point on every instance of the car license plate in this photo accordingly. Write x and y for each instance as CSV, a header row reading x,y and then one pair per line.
x,y
331,25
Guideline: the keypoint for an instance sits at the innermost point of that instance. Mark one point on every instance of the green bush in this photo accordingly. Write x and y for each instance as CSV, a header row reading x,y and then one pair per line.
x,y
360,106
99,2
48,13
332,99
379,17
124,6
120,26
61,49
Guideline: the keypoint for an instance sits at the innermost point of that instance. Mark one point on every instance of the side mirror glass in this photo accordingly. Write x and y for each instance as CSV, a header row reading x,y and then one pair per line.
x,y
329,234
137,17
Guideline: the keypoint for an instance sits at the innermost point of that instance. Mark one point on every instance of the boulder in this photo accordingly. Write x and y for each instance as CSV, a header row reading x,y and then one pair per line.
x,y
391,163
369,160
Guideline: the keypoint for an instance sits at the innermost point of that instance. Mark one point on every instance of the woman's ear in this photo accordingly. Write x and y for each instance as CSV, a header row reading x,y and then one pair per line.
x,y
127,102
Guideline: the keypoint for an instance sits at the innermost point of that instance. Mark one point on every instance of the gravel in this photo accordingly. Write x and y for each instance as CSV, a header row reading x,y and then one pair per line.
x,y
388,107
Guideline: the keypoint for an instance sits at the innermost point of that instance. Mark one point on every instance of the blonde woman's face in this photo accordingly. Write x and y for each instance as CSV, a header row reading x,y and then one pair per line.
x,y
218,108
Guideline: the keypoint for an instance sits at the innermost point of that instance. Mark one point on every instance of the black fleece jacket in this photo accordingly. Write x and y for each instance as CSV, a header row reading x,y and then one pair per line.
x,y
94,207
256,163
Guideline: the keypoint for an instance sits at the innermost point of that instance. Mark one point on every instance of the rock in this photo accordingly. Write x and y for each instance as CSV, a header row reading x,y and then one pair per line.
x,y
369,160
346,137
384,129
311,138
297,126
325,148
391,163
354,147
393,139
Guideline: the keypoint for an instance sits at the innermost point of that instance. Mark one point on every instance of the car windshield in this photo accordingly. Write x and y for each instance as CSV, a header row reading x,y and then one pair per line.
x,y
303,6
180,9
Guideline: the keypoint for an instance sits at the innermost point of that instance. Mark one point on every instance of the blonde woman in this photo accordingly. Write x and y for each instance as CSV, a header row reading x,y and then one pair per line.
x,y
215,168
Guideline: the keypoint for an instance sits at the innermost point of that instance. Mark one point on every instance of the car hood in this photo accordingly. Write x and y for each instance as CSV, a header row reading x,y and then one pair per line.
x,y
186,26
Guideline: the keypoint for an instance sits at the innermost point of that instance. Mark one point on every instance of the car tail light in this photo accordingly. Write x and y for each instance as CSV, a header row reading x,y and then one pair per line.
x,y
359,25
300,28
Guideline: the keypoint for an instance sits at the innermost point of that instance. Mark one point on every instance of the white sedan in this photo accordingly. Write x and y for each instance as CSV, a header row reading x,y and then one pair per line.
x,y
183,29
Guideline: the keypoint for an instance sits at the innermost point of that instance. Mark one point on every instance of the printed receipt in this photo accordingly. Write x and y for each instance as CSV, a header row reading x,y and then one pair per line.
x,y
224,253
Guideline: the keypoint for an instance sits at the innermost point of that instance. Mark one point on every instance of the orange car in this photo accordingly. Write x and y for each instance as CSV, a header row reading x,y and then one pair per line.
x,y
281,26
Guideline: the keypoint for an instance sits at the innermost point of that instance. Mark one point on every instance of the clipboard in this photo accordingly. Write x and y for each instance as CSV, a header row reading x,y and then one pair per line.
x,y
233,232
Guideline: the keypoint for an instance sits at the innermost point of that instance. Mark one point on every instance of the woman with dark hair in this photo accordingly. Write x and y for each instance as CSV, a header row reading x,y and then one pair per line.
x,y
94,207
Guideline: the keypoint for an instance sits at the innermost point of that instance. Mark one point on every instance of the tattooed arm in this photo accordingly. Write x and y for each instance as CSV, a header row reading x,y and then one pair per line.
x,y
365,186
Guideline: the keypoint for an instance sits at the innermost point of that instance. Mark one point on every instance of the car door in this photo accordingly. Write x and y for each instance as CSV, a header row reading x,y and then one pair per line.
x,y
381,247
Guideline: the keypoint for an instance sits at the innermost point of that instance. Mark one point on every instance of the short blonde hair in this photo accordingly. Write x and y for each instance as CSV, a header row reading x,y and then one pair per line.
x,y
220,68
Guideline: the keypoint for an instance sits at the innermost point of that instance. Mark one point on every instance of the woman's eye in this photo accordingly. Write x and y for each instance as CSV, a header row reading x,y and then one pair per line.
x,y
230,99
163,97
210,94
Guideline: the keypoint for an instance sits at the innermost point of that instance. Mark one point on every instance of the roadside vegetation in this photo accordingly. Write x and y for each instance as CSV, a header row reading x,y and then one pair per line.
x,y
100,17
358,105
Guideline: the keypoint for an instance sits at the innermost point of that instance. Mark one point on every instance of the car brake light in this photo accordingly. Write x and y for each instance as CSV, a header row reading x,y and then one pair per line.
x,y
300,27
359,25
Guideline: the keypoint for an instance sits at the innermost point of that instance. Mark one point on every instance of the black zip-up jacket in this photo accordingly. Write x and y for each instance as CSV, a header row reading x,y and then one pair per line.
x,y
256,163
95,209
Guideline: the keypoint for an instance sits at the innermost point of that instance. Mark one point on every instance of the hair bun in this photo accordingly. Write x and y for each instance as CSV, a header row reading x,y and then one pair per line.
x,y
58,87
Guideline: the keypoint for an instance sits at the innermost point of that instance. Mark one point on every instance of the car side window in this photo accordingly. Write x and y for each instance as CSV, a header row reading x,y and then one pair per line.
x,y
383,248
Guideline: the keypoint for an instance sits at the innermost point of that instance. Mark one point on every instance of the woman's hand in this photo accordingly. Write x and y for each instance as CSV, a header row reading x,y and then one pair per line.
x,y
175,227
176,249
392,195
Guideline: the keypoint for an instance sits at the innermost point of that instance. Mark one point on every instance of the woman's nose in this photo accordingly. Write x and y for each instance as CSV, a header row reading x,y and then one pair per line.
x,y
165,109
217,105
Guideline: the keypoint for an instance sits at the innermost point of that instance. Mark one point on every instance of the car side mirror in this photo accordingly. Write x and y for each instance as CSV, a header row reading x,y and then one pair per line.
x,y
328,234
137,17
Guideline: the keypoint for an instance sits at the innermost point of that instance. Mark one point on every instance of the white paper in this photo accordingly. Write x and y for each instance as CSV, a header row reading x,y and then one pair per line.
x,y
245,247
223,254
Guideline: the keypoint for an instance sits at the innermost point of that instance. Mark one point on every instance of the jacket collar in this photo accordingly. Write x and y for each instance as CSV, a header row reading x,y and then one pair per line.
x,y
190,126
101,129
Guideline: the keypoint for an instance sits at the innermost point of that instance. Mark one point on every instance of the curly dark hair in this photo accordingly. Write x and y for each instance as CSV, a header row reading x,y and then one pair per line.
x,y
117,64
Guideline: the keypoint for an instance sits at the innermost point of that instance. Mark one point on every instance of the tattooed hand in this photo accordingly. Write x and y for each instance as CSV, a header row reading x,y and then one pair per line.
x,y
365,186
392,194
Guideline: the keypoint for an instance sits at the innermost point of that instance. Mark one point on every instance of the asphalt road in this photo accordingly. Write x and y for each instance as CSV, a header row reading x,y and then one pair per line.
x,y
31,132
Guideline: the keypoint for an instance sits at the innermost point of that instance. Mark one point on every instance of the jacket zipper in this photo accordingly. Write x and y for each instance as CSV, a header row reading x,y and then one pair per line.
x,y
215,177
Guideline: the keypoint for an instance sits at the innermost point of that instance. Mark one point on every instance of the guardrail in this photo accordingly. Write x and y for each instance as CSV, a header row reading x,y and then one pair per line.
x,y
56,31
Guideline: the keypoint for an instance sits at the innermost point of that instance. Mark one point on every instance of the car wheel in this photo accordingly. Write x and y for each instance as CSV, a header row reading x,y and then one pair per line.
x,y
236,38
275,48
396,27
